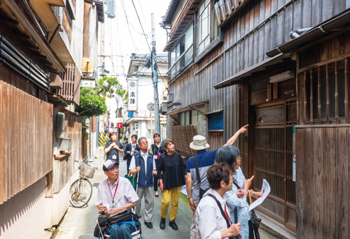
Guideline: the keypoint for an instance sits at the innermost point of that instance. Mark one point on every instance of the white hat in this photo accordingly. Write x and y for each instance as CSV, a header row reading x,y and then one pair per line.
x,y
199,143
109,164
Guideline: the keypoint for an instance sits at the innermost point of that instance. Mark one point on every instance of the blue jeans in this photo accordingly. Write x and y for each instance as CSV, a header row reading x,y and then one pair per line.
x,y
122,231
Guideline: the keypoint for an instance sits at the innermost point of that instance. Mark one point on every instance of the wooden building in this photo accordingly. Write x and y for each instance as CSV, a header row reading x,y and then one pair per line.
x,y
278,65
41,55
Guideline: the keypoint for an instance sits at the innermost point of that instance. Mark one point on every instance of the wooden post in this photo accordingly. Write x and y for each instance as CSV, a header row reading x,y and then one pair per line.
x,y
305,98
298,98
327,92
311,98
336,94
319,95
346,101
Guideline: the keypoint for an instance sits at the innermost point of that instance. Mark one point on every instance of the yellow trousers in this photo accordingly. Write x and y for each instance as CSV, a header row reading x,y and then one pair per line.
x,y
173,195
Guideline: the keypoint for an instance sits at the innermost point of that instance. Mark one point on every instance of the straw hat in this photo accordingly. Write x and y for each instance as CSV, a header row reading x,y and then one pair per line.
x,y
199,143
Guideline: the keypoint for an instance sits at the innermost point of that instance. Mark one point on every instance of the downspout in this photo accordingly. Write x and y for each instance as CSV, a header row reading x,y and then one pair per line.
x,y
224,108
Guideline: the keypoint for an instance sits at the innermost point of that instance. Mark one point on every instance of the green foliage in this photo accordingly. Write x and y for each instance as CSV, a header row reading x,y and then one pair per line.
x,y
109,87
91,104
92,101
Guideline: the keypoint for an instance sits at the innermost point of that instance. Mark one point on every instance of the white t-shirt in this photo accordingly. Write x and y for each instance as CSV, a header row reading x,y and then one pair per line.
x,y
125,194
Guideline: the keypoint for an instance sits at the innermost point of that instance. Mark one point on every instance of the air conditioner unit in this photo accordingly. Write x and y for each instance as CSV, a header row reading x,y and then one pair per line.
x,y
282,77
164,108
170,97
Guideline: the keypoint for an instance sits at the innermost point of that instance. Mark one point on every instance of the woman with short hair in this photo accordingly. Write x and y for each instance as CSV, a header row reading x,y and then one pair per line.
x,y
212,220
171,174
231,156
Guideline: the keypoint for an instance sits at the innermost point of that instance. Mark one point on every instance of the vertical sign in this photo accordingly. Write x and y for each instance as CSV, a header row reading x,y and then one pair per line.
x,y
132,88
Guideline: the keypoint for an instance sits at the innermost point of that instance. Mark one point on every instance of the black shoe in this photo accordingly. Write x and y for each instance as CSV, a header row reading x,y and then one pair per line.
x,y
162,223
137,215
173,225
149,224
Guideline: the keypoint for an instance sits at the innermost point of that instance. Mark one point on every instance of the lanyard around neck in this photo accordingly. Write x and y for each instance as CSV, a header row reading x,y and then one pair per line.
x,y
116,188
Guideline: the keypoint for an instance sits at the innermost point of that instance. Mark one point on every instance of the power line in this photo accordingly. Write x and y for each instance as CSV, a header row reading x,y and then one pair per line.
x,y
141,25
127,21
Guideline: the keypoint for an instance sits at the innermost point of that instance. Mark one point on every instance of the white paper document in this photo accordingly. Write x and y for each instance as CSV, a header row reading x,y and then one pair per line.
x,y
265,191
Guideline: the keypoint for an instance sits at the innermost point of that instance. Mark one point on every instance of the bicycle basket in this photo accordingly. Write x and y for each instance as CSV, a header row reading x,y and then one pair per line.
x,y
86,170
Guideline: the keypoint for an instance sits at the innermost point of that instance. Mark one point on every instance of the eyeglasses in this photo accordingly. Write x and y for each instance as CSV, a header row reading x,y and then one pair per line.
x,y
144,142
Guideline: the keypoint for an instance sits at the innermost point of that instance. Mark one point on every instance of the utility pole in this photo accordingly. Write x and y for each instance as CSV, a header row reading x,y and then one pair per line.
x,y
155,79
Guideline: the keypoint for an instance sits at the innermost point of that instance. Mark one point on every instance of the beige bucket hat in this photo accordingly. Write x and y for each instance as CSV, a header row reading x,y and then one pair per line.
x,y
199,143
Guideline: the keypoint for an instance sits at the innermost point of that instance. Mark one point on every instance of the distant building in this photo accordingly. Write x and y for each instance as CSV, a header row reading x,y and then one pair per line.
x,y
141,93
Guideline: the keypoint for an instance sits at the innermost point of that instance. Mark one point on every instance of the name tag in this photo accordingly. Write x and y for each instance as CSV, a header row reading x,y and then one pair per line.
x,y
155,156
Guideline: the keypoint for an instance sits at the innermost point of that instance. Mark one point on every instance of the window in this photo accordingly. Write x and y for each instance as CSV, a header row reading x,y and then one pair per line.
x,y
207,27
182,54
191,117
203,25
216,121
325,91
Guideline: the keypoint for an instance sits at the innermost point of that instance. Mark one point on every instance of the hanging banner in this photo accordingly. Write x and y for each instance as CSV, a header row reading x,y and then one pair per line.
x,y
132,89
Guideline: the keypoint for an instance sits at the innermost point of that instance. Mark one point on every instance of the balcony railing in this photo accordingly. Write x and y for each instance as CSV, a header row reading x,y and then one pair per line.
x,y
180,64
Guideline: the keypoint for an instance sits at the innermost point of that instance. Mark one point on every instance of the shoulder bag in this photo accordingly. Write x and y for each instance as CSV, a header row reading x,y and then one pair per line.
x,y
201,191
254,222
226,219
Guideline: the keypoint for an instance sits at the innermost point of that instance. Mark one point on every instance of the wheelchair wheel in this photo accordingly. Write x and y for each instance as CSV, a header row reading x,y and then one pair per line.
x,y
80,193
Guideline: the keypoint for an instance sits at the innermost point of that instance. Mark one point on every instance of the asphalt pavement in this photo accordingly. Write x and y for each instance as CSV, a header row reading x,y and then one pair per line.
x,y
79,223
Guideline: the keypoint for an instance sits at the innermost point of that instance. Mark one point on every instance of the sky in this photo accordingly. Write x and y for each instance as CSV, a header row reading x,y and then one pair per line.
x,y
124,34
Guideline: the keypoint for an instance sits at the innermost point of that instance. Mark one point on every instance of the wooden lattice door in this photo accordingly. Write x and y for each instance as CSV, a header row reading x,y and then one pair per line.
x,y
273,160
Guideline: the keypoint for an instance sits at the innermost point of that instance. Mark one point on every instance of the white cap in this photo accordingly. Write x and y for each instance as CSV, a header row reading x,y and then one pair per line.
x,y
109,164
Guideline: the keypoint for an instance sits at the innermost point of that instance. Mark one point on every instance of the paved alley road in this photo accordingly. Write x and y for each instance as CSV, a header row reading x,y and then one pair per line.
x,y
79,223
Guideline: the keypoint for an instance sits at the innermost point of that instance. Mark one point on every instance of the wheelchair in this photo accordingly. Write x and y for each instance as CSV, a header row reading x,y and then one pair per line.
x,y
101,231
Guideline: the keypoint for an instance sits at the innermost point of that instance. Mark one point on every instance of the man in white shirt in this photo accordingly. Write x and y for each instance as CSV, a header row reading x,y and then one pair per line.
x,y
114,195
212,214
144,165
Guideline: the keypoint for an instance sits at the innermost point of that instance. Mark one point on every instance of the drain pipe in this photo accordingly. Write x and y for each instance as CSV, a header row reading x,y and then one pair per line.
x,y
296,33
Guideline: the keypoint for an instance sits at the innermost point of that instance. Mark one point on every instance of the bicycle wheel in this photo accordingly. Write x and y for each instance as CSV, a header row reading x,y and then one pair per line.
x,y
80,192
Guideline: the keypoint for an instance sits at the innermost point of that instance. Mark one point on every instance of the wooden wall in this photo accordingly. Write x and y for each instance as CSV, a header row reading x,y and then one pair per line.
x,y
256,29
265,24
323,158
65,167
26,147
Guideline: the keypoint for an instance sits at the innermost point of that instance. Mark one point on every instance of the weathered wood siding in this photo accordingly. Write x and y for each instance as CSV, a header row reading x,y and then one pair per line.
x,y
26,148
65,167
323,158
191,88
256,29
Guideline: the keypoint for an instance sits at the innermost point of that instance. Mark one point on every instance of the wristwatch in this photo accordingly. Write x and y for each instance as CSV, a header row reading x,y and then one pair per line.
x,y
189,197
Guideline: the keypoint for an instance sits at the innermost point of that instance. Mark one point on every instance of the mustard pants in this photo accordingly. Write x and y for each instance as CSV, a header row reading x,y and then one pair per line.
x,y
173,195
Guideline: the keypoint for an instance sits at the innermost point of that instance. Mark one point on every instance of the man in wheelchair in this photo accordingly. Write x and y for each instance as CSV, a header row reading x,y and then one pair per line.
x,y
114,195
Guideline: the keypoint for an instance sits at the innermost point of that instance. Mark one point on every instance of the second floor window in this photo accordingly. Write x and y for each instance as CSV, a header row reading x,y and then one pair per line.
x,y
207,28
182,54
